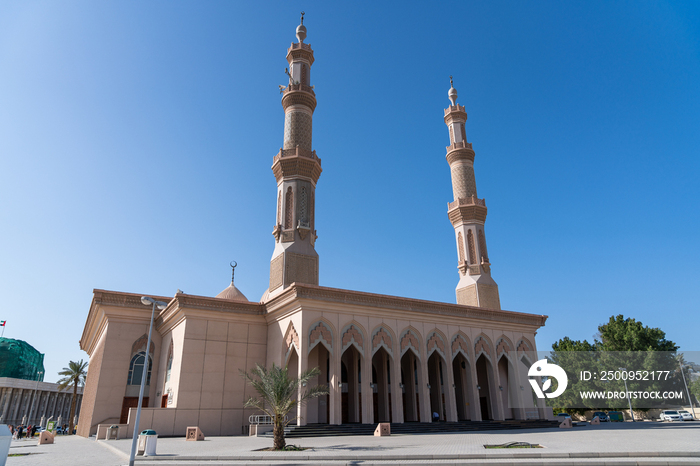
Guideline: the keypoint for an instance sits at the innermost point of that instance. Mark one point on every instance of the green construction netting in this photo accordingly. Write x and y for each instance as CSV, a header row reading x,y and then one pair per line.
x,y
19,360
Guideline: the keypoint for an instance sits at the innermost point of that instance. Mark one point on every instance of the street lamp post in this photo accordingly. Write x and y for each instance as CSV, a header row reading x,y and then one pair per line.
x,y
31,410
145,300
624,379
690,400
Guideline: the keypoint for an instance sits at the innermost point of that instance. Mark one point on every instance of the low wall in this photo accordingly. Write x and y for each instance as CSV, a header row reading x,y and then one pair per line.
x,y
173,422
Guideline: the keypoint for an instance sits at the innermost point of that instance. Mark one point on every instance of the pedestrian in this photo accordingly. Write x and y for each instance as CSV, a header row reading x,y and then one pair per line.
x,y
20,431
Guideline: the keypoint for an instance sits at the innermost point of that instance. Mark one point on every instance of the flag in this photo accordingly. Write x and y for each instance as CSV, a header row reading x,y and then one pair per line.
x,y
2,323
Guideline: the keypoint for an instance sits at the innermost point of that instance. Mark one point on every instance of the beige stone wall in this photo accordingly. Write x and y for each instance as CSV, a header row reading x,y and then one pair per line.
x,y
206,381
90,391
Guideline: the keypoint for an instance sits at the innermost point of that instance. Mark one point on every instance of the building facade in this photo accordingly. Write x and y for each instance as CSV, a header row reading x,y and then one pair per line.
x,y
31,402
384,358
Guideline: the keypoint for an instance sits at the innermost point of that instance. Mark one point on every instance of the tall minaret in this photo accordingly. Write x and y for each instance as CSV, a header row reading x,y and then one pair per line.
x,y
468,214
297,169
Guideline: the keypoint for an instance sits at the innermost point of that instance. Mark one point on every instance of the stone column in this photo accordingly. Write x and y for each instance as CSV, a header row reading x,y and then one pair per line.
x,y
7,392
450,397
18,403
335,392
302,409
476,402
366,382
423,392
495,392
396,391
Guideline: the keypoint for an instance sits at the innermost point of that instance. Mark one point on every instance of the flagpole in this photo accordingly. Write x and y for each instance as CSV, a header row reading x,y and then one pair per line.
x,y
4,323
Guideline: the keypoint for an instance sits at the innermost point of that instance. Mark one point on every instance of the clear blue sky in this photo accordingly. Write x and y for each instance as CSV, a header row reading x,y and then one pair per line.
x,y
136,140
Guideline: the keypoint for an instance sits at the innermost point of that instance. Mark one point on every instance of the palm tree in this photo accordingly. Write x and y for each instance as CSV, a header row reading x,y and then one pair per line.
x,y
74,374
280,394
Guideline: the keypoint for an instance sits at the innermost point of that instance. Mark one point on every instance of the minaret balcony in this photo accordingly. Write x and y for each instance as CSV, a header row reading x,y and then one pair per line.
x,y
296,163
466,202
467,210
454,108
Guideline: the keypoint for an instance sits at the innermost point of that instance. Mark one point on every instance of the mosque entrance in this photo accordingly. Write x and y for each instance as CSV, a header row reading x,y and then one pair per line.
x,y
463,381
409,381
484,375
351,377
381,386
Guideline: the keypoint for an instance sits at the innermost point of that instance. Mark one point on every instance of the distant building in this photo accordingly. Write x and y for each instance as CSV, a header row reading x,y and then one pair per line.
x,y
383,358
20,399
20,360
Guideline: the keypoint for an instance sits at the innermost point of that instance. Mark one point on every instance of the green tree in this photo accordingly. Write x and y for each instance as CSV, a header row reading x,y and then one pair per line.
x,y
621,334
280,394
75,375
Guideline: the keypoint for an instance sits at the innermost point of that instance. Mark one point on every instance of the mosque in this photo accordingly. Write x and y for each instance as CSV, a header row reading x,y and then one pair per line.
x,y
384,358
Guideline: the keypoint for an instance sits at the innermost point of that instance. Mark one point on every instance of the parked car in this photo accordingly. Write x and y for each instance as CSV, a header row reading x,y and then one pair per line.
x,y
685,415
670,415
602,417
616,416
562,416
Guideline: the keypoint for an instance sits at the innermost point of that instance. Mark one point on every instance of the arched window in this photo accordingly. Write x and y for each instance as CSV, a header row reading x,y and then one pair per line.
x,y
304,74
302,206
470,246
482,246
169,367
464,134
452,135
288,209
136,369
279,207
460,247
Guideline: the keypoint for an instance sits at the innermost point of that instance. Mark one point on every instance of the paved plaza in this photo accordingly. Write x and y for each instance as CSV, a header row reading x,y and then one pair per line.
x,y
643,443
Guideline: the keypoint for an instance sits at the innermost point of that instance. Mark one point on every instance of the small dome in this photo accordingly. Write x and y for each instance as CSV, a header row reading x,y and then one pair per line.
x,y
232,293
452,94
301,33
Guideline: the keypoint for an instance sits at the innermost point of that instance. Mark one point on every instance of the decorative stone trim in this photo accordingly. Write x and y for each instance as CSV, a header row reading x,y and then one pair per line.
x,y
287,236
296,166
320,293
502,347
352,336
481,345
457,154
382,338
410,340
467,214
299,97
436,343
141,344
460,345
320,333
473,200
292,338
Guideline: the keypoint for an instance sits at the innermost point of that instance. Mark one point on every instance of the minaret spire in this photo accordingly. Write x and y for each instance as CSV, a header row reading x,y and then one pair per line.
x,y
467,214
297,169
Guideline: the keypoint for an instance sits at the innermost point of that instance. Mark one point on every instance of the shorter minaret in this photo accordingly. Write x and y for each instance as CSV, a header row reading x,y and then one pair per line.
x,y
232,293
468,213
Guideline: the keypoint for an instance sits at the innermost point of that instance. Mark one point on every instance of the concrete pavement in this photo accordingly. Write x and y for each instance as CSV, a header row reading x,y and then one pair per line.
x,y
626,444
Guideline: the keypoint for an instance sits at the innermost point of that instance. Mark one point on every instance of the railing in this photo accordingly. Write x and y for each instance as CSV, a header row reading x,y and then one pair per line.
x,y
300,87
299,152
466,201
459,145
454,108
300,45
262,419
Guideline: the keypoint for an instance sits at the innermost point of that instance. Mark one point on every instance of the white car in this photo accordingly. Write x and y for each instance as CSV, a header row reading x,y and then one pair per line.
x,y
686,416
671,416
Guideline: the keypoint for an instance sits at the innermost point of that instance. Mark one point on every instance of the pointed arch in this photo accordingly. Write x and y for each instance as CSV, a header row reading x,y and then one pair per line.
x,y
140,345
289,209
483,345
482,247
504,346
291,341
410,339
303,207
470,246
279,207
460,247
435,341
382,336
169,361
353,334
321,332
461,344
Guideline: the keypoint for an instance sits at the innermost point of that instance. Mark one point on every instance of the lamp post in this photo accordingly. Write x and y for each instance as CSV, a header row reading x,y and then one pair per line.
x,y
624,379
145,300
690,400
31,410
